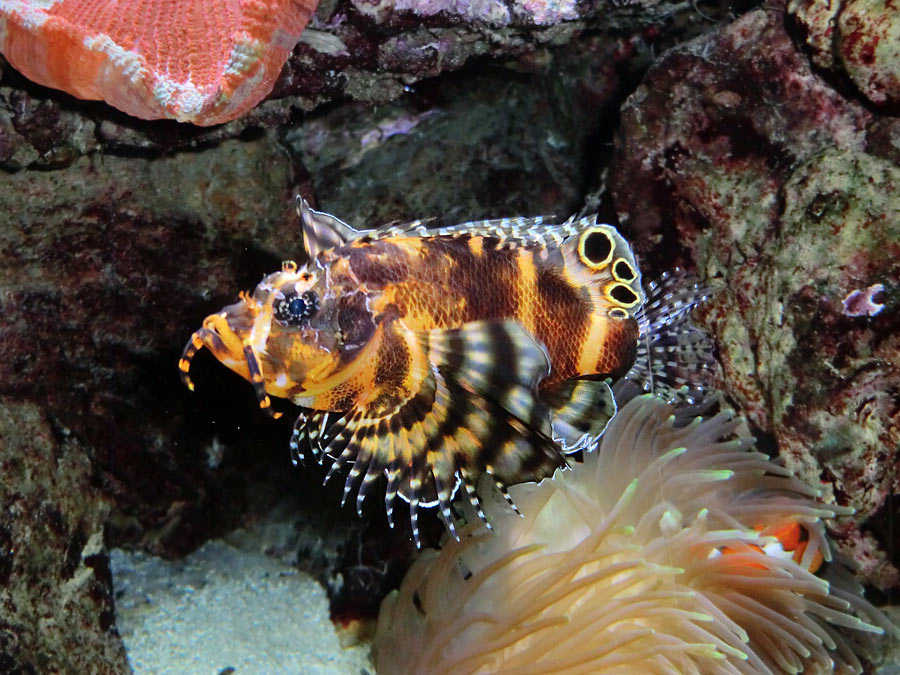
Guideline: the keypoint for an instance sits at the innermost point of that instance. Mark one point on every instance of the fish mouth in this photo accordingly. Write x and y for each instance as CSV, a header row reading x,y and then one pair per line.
x,y
228,335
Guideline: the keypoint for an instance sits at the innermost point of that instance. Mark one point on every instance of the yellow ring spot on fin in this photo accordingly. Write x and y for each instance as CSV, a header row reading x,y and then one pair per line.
x,y
626,275
596,248
621,295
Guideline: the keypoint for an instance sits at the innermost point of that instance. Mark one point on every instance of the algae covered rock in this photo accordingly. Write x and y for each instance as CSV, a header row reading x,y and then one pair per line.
x,y
740,159
858,38
833,376
56,589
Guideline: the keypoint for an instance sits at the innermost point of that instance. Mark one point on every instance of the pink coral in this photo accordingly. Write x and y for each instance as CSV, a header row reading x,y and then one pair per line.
x,y
200,61
862,302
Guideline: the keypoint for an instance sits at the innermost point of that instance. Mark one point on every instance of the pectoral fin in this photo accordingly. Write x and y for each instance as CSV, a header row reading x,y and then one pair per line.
x,y
464,402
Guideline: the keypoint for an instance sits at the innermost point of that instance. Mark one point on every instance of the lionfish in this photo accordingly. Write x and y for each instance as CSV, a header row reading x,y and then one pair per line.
x,y
435,356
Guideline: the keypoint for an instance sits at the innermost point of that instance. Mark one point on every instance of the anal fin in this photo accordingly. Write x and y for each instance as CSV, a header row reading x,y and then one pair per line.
x,y
580,413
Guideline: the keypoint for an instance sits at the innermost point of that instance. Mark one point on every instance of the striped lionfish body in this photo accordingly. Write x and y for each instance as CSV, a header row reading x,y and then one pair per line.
x,y
436,356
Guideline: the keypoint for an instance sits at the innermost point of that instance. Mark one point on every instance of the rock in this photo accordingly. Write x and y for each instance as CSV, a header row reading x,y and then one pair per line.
x,y
40,131
371,51
738,160
107,265
56,592
817,22
829,374
453,160
869,48
858,38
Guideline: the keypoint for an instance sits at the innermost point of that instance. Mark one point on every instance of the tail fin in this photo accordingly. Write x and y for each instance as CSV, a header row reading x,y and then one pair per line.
x,y
674,357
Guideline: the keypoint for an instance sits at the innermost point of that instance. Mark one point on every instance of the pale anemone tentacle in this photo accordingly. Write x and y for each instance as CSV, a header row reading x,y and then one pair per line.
x,y
647,557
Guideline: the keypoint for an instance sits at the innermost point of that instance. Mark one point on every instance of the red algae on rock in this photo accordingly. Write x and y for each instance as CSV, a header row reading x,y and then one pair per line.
x,y
200,61
859,37
869,48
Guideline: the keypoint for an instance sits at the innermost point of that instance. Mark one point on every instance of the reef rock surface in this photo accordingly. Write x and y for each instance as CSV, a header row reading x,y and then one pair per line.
x,y
56,596
365,50
857,39
740,159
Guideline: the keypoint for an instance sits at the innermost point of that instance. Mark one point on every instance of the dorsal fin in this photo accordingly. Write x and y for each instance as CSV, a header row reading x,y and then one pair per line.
x,y
416,228
322,230
509,231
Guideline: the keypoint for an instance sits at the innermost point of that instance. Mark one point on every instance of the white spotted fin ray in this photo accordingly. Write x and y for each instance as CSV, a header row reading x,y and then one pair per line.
x,y
673,356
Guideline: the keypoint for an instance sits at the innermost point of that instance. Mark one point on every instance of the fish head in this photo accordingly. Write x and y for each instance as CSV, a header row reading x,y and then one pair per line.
x,y
285,337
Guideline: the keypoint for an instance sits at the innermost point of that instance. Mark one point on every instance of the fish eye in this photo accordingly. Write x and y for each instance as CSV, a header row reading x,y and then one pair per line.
x,y
292,309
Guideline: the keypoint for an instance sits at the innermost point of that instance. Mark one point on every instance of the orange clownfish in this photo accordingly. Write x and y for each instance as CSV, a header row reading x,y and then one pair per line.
x,y
791,539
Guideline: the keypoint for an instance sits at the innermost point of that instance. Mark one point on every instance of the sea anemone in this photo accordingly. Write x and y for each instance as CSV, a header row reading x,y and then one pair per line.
x,y
663,552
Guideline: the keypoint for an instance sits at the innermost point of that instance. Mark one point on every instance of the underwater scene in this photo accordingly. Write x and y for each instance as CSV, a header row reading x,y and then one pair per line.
x,y
412,337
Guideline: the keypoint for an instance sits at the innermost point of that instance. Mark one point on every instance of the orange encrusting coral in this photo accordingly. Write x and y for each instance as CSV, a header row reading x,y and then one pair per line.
x,y
204,62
